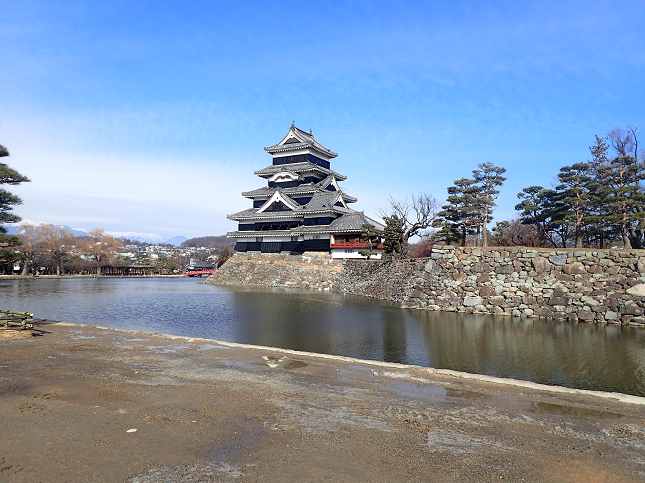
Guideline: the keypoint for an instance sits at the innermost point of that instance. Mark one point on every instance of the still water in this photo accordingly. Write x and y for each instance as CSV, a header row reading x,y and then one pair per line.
x,y
586,356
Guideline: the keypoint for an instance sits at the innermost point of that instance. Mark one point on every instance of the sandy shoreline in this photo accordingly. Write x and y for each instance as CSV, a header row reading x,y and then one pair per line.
x,y
210,411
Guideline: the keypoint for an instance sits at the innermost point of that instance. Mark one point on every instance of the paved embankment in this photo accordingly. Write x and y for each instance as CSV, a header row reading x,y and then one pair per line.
x,y
90,404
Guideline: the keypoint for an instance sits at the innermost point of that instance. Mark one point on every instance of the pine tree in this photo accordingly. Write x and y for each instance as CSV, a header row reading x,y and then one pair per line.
x,y
489,178
370,238
7,201
460,216
624,198
575,191
541,208
393,235
598,213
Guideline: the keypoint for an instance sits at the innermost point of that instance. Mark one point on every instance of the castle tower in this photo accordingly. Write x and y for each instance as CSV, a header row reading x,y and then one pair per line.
x,y
302,207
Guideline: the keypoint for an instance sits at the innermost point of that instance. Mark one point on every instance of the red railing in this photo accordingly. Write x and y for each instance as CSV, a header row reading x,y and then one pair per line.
x,y
198,273
343,244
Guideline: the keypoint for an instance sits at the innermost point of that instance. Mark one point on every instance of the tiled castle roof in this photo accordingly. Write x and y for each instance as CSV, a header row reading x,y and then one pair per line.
x,y
303,189
349,223
299,139
297,168
321,202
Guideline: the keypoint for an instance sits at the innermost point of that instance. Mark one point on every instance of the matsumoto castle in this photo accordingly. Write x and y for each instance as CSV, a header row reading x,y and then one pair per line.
x,y
302,208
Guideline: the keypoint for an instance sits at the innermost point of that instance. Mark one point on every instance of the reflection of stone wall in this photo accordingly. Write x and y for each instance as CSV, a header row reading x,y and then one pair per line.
x,y
309,270
601,286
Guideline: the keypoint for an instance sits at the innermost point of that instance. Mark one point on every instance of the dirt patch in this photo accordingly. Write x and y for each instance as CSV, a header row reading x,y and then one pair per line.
x,y
15,333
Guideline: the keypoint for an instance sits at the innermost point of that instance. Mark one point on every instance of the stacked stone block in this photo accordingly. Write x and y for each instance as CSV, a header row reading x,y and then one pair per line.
x,y
310,270
602,286
595,286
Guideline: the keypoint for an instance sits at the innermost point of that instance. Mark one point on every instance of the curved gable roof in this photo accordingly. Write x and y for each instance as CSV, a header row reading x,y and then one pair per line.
x,y
298,139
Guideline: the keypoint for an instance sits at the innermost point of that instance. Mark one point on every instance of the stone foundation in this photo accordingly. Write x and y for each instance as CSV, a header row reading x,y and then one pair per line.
x,y
605,286
310,270
594,286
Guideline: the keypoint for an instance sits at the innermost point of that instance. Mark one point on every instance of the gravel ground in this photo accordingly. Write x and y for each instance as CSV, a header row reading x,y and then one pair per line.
x,y
86,404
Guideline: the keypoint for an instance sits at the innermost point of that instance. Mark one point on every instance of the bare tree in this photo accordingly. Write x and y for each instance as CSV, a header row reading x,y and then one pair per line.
x,y
223,256
625,141
31,237
414,216
101,246
56,242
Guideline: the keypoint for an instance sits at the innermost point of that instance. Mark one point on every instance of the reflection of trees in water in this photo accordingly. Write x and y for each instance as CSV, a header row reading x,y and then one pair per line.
x,y
395,347
316,322
551,352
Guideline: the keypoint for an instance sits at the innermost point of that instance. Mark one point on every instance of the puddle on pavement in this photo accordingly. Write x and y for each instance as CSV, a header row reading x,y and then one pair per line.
x,y
463,393
562,410
166,349
271,362
142,367
281,362
405,388
231,448
205,347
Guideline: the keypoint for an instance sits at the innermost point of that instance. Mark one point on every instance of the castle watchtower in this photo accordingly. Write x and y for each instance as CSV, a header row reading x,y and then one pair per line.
x,y
302,207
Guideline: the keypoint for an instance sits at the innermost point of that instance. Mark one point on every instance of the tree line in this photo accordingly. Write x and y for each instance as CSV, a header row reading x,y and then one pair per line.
x,y
56,250
592,204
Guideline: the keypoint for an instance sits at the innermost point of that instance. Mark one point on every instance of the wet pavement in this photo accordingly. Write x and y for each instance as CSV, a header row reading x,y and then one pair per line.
x,y
87,404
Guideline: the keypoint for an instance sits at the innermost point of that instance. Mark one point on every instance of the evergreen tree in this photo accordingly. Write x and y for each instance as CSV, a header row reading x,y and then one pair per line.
x,y
597,217
489,178
624,198
599,153
393,235
575,191
370,238
8,176
541,208
460,216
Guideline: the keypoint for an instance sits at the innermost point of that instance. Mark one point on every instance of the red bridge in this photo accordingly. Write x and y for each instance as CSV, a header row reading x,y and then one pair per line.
x,y
198,273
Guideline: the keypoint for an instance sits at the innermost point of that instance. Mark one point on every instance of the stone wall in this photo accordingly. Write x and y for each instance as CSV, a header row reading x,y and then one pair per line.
x,y
309,270
596,286
580,285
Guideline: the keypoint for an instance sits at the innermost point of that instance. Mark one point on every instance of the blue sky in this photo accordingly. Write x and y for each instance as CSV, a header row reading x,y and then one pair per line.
x,y
152,116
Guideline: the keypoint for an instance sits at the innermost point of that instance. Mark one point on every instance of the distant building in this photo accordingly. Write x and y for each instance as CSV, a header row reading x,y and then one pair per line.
x,y
302,208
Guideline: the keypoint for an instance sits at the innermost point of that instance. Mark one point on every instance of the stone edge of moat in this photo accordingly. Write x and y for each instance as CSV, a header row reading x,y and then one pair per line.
x,y
620,397
601,286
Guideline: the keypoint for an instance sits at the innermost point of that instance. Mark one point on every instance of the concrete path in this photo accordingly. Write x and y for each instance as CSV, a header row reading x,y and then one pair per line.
x,y
85,404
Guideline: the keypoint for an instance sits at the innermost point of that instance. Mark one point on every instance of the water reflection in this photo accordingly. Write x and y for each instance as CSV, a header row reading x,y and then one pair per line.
x,y
610,358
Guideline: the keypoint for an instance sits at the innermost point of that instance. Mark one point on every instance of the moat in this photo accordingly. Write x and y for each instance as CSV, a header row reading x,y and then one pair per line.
x,y
585,356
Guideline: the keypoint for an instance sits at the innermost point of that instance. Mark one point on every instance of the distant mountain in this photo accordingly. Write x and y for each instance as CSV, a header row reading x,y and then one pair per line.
x,y
176,240
140,237
75,231
13,228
